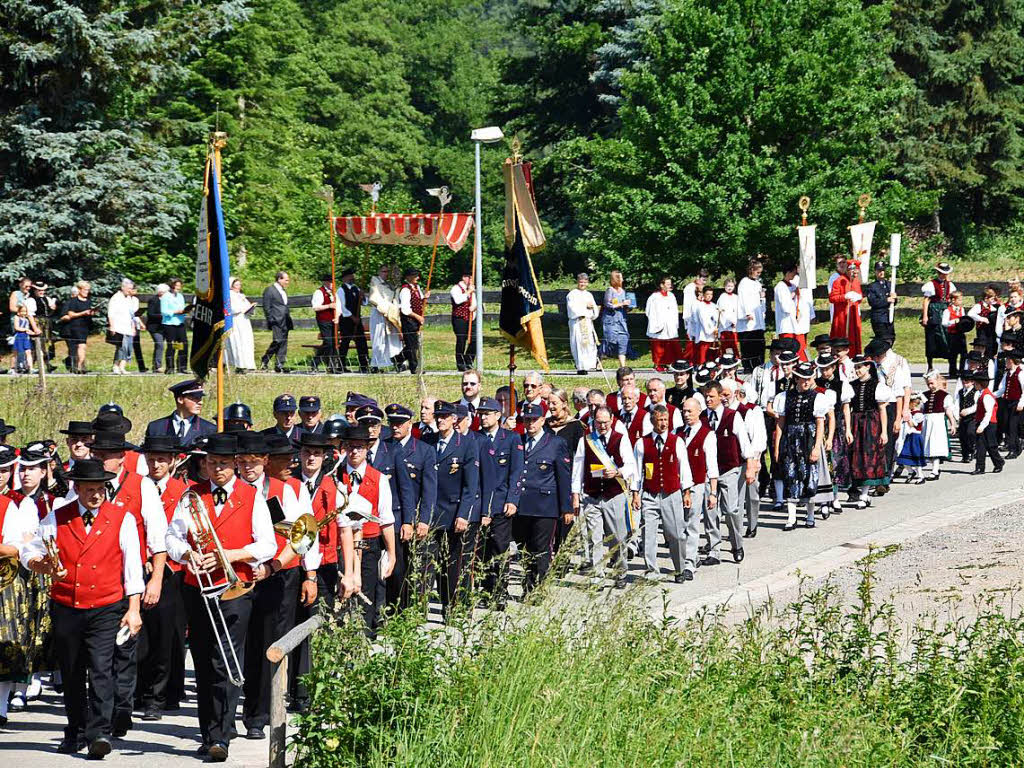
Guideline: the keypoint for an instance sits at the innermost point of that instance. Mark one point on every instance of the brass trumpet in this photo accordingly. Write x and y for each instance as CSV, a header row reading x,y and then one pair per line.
x,y
303,532
53,558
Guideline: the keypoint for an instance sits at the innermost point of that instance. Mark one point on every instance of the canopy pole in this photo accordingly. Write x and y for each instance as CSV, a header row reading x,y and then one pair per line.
x,y
478,264
511,379
220,388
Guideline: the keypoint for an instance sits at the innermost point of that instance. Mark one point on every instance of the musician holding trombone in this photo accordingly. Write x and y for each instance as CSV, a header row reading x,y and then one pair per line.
x,y
90,547
222,530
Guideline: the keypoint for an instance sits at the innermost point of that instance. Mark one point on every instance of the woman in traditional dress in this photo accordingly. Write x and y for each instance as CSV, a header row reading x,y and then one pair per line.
x,y
240,350
910,445
799,442
869,429
385,336
613,322
939,421
937,294
837,441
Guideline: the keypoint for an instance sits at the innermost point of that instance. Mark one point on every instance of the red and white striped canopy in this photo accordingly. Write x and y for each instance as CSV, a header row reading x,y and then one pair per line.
x,y
404,229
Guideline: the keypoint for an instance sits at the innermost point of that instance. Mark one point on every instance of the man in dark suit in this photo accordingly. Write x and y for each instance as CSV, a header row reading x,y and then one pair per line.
x,y
420,466
501,467
185,423
456,518
350,324
544,494
279,321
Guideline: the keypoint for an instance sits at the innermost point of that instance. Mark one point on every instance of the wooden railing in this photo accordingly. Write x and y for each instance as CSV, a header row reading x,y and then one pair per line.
x,y
277,654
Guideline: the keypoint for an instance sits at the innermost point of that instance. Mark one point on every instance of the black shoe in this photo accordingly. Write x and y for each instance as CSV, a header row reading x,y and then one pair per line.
x,y
72,744
997,470
171,706
737,555
151,715
620,582
99,748
298,705
581,372
788,527
687,574
203,749
218,752
978,472
710,560
122,724
809,524
704,549
255,734
679,578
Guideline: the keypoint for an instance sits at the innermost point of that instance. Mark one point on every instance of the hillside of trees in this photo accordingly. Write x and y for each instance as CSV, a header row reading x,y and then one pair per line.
x,y
666,134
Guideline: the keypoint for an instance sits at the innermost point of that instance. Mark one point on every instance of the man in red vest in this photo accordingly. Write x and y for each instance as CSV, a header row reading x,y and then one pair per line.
x,y
631,413
140,497
986,419
702,455
664,480
97,588
599,492
241,520
412,306
161,651
463,308
327,312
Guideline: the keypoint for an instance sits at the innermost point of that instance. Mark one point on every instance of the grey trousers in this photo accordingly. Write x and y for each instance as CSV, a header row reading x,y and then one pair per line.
x,y
599,515
692,518
751,502
666,508
728,506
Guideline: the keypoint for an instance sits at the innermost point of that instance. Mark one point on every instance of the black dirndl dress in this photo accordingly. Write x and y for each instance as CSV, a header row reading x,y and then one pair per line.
x,y
867,457
798,473
936,338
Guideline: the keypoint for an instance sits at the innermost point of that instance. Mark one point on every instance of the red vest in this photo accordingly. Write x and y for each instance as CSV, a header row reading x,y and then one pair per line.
x,y
369,489
275,490
129,496
728,444
955,313
601,487
415,298
170,497
461,311
696,456
935,402
1013,386
233,527
323,498
133,460
612,401
664,474
636,426
980,411
325,315
942,290
94,561
14,495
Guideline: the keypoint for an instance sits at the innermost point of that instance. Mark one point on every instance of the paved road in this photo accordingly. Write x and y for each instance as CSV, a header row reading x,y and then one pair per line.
x,y
769,568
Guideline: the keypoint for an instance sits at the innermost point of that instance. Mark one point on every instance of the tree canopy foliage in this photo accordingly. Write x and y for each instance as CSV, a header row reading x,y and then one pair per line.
x,y
666,134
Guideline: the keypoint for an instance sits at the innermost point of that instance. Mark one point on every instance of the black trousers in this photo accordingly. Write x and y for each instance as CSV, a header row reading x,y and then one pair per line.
x,y
369,570
751,349
351,331
465,352
397,587
216,696
300,661
177,344
988,442
157,641
273,614
1009,424
176,673
496,539
456,578
968,437
883,330
278,346
327,352
140,360
534,535
84,643
125,678
411,343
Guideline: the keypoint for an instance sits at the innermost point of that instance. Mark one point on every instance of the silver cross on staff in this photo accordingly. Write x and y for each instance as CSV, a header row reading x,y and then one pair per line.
x,y
442,194
373,190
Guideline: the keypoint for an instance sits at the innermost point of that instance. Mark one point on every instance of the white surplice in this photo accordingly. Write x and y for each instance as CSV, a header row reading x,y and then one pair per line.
x,y
384,336
582,311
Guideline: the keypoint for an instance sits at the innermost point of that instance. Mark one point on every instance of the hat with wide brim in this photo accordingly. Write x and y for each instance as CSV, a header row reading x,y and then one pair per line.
x,y
5,428
89,471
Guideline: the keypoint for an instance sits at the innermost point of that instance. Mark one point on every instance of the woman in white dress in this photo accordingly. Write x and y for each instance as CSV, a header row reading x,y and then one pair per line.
x,y
240,352
384,334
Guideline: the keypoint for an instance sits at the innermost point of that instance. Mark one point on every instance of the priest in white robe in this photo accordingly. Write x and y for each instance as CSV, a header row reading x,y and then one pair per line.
x,y
663,326
582,311
385,336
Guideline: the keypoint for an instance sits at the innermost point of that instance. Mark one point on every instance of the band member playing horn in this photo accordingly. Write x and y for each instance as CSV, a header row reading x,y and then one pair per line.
x,y
239,537
97,588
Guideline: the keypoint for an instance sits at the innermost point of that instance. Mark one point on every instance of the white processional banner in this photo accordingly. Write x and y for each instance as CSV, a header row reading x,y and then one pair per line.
x,y
861,235
808,257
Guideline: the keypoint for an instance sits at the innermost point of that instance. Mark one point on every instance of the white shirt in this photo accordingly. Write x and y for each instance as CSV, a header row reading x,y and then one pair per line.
x,y
460,295
662,316
710,448
928,289
963,412
293,507
753,420
703,322
786,320
262,548
405,301
127,539
321,297
750,295
282,291
20,523
384,503
685,476
121,313
339,499
154,519
893,363
728,317
822,405
675,420
690,300
627,470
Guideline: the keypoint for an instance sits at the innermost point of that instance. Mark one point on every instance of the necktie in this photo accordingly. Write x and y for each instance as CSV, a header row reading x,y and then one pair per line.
x,y
220,496
686,432
355,478
111,490
87,518
529,445
369,458
310,486
604,442
713,419
659,443
441,445
181,428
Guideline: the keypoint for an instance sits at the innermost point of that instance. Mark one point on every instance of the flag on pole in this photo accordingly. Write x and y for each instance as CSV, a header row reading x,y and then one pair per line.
x,y
211,316
521,302
861,235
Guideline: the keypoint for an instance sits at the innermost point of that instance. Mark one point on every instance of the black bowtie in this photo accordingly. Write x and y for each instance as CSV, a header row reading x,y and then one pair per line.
x,y
310,485
220,496
87,518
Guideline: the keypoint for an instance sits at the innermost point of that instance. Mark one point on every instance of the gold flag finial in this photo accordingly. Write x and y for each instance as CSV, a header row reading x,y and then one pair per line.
x,y
863,202
517,149
803,204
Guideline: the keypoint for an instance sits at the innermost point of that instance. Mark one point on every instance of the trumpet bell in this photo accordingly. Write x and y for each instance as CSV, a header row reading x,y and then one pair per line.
x,y
238,589
302,534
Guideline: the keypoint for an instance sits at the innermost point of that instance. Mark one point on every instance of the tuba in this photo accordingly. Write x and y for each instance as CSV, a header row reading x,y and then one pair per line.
x,y
206,540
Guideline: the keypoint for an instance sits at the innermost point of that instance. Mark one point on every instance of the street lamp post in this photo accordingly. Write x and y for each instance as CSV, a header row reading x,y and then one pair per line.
x,y
481,136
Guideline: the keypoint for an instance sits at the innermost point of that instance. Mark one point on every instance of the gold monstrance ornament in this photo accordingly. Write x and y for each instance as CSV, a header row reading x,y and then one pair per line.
x,y
803,204
863,202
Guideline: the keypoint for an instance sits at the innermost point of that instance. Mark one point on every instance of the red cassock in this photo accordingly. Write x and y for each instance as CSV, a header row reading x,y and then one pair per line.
x,y
846,313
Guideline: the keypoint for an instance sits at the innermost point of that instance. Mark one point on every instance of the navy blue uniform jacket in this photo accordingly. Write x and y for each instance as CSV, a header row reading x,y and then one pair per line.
x,y
165,428
501,466
544,481
422,471
458,480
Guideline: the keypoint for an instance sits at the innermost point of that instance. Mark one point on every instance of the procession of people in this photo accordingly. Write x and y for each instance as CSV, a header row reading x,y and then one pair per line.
x,y
209,534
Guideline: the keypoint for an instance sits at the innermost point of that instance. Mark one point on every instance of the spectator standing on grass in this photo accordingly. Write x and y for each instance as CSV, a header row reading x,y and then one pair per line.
x,y
155,325
121,324
240,350
45,314
279,321
24,328
613,322
76,322
173,311
18,296
140,325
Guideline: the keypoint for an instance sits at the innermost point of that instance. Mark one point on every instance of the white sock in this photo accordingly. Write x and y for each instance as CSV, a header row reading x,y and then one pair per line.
x,y
864,494
35,687
935,467
5,689
790,513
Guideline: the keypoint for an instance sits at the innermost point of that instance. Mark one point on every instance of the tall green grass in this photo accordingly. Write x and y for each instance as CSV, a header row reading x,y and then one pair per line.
x,y
814,684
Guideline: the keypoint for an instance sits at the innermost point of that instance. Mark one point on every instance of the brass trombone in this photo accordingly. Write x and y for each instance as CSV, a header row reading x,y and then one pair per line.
x,y
206,540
